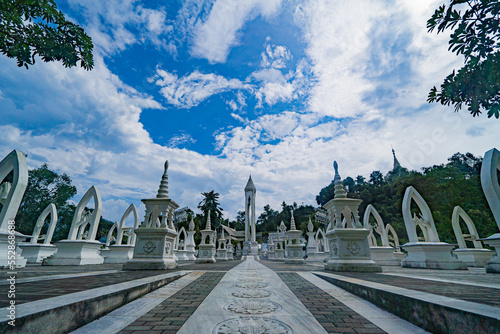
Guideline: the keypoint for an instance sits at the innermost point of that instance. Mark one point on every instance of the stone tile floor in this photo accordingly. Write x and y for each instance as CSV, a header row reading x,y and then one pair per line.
x,y
472,285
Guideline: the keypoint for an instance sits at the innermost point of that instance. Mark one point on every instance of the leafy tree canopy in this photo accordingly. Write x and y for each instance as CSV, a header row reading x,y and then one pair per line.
x,y
476,36
36,27
442,186
211,202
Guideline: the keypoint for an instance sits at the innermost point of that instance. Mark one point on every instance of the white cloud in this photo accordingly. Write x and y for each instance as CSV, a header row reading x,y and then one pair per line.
x,y
181,139
192,89
275,56
214,37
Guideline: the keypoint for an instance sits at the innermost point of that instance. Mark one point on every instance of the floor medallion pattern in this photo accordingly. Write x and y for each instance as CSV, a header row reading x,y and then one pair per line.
x,y
252,307
252,325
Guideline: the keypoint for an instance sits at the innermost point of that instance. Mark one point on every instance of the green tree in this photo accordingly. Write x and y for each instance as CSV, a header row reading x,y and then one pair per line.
x,y
476,36
44,187
36,27
211,202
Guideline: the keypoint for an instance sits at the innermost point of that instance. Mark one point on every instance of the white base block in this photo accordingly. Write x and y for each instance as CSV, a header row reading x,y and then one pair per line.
x,y
191,253
221,255
295,254
206,254
75,253
181,255
316,257
384,256
7,253
230,254
270,256
279,255
349,251
117,253
474,257
493,266
35,253
431,255
400,256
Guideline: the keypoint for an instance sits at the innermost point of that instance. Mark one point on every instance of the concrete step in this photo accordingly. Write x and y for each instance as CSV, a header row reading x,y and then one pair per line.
x,y
67,312
432,312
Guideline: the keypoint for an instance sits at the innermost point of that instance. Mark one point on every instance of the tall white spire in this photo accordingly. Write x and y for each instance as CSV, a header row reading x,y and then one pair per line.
x,y
339,188
191,224
163,190
209,223
292,221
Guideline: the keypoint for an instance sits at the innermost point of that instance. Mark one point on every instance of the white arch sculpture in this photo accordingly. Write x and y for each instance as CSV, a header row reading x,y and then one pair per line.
x,y
491,189
323,241
473,257
426,222
379,228
80,248
181,251
81,219
312,249
11,196
431,253
120,253
384,255
190,244
33,251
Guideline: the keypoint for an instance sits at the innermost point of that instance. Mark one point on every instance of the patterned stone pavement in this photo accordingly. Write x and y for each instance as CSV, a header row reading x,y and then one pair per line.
x,y
169,316
334,316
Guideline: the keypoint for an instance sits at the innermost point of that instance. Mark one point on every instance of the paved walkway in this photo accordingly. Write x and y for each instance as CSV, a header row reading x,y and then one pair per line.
x,y
250,298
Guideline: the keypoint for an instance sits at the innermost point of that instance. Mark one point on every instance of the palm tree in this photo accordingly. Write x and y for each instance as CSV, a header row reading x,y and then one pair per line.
x,y
211,202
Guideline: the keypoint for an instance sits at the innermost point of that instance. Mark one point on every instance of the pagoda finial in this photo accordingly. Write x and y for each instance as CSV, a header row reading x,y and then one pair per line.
x,y
209,224
163,190
250,186
310,226
339,188
191,224
396,162
292,221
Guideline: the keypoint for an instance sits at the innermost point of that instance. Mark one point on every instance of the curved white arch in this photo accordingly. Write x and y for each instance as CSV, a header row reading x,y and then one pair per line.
x,y
49,210
380,229
323,240
109,238
130,210
489,181
182,231
412,193
390,230
14,162
455,222
94,220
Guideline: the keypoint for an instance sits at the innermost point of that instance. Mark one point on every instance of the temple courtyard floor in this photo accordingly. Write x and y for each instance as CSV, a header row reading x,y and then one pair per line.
x,y
248,296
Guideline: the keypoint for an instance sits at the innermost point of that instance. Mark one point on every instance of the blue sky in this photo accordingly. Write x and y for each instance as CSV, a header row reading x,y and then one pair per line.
x,y
224,89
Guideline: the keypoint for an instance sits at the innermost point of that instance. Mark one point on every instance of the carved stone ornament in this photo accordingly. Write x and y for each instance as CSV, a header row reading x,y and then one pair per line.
x,y
257,285
168,247
149,247
252,325
251,293
353,247
254,307
334,248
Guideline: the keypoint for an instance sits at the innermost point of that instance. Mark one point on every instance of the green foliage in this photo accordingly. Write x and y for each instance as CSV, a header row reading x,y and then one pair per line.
x,y
270,219
44,187
475,35
103,229
211,202
442,186
36,27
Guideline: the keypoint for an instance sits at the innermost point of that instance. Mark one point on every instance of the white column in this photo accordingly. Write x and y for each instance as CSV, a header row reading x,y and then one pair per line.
x,y
253,218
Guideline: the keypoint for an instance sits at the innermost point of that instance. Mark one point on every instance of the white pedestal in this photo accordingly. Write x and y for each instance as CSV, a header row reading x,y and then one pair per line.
x,y
254,248
35,253
473,257
316,256
295,254
431,255
190,253
230,250
153,249
7,254
384,256
182,255
221,255
117,253
400,256
279,255
75,253
493,266
349,251
246,248
206,254
270,255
